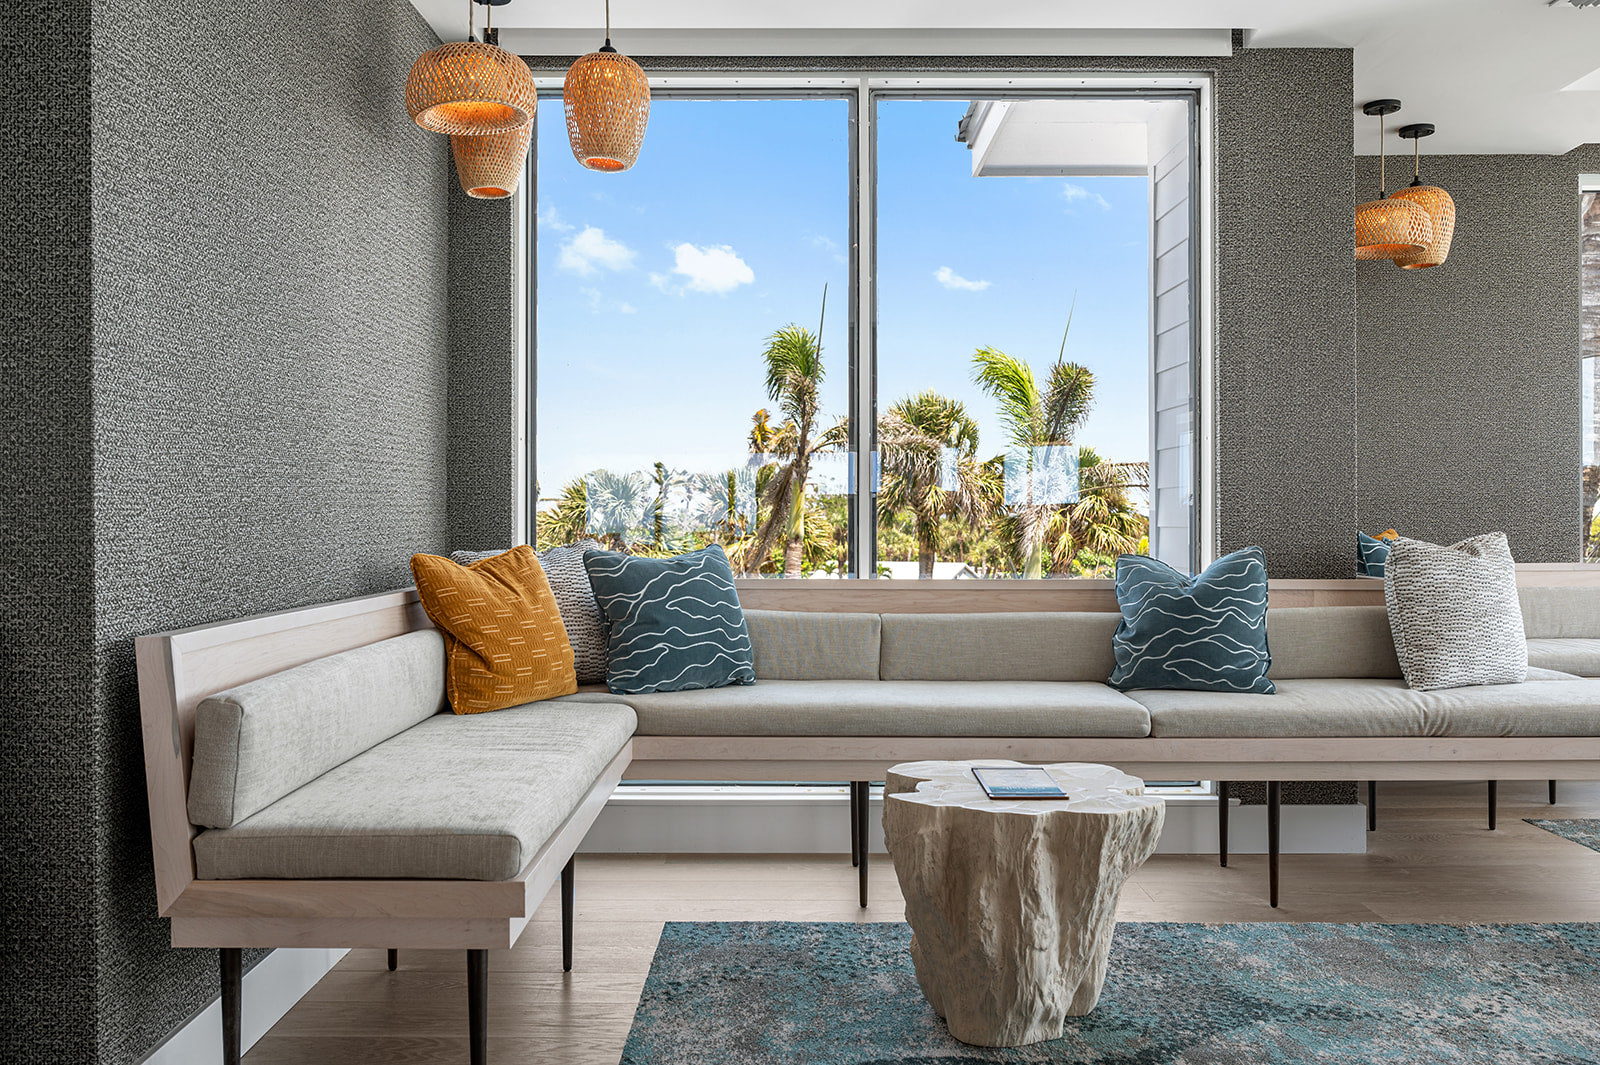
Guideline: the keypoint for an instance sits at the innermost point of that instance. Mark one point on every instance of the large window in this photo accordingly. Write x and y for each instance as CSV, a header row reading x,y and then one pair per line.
x,y
1590,365
878,333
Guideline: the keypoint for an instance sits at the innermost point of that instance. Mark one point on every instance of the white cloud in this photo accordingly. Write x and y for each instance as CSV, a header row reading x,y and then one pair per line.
x,y
952,280
591,248
550,219
1076,194
830,246
596,301
716,269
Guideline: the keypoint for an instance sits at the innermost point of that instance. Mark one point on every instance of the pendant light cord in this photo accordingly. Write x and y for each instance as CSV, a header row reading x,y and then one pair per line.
x,y
1383,181
471,31
1416,161
608,21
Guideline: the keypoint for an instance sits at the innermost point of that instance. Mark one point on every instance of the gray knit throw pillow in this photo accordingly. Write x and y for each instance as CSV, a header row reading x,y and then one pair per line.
x,y
580,614
1454,613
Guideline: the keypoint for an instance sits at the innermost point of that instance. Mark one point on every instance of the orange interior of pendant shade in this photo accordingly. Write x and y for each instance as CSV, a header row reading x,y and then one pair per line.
x,y
480,113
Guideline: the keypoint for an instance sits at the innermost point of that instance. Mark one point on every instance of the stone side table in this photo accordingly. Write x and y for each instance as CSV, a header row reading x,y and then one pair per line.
x,y
1012,903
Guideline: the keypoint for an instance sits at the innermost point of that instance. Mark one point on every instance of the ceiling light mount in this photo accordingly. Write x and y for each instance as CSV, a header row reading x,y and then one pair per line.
x,y
1380,108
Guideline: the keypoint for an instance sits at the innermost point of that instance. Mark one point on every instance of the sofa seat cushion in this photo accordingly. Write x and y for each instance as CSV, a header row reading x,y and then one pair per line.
x,y
1569,655
454,797
1332,708
893,708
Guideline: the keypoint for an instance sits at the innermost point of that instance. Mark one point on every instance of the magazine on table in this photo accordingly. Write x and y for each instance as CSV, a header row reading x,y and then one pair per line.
x,y
1020,782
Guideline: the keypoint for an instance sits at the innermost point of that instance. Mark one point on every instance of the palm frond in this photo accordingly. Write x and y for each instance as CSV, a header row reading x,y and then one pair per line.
x,y
1010,381
1068,396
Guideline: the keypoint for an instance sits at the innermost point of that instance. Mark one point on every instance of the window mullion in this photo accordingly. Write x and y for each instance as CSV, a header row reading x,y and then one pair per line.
x,y
863,362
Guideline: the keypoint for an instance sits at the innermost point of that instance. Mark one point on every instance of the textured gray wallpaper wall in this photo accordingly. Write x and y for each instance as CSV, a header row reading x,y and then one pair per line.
x,y
1469,378
484,463
1285,292
265,319
46,561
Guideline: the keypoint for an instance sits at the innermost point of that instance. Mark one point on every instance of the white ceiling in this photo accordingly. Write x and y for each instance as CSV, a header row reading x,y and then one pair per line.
x,y
1493,75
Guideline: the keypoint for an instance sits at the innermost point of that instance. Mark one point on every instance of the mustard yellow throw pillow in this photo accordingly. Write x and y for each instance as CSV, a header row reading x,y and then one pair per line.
x,y
504,642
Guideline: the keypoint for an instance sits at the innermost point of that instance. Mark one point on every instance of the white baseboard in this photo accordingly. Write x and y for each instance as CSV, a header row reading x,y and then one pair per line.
x,y
816,821
270,990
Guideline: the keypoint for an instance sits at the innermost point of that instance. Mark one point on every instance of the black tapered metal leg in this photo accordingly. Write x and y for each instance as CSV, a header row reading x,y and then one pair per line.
x,y
478,1006
1273,797
1552,793
863,803
855,823
1222,822
1372,806
394,959
232,992
568,878
1494,801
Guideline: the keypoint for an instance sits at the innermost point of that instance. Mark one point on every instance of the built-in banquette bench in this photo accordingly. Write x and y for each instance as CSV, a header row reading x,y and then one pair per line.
x,y
307,787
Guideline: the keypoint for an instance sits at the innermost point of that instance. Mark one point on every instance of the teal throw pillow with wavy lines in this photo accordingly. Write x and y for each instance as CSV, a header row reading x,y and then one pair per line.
x,y
1205,633
672,624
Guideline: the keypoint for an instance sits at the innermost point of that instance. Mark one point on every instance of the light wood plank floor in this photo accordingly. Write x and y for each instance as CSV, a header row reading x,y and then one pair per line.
x,y
1431,860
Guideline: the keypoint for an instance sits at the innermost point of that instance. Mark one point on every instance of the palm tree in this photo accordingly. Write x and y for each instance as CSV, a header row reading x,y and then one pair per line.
x,y
568,520
622,508
1104,521
793,358
1036,418
927,445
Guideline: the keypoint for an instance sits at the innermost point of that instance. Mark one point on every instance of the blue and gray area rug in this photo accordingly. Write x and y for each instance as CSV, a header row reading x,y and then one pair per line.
x,y
1584,830
765,993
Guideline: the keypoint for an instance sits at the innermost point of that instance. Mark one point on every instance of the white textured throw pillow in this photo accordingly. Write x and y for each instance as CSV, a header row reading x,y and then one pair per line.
x,y
580,614
1454,613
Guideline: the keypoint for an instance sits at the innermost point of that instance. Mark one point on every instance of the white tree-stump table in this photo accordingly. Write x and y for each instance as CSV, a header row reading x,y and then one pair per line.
x,y
1012,903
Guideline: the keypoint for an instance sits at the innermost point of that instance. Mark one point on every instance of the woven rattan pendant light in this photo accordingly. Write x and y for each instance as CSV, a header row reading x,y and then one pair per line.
x,y
1437,202
1388,228
607,97
490,167
471,88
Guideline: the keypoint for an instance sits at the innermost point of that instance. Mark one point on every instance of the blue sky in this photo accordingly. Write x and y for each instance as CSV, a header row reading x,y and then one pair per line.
x,y
658,286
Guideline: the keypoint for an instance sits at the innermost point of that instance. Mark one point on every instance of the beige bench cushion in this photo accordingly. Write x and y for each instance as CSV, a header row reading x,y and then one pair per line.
x,y
893,708
1568,655
463,798
1018,646
802,645
260,741
1560,612
1331,641
1330,708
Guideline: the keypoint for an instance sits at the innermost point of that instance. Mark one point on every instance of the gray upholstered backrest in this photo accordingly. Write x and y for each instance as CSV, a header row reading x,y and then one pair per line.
x,y
799,645
1558,612
1331,641
258,742
1015,646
